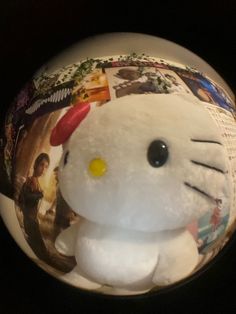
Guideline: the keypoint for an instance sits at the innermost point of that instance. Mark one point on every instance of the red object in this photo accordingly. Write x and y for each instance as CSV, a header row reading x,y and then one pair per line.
x,y
68,123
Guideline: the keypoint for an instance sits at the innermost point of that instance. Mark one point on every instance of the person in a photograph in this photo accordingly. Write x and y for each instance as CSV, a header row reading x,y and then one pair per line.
x,y
30,198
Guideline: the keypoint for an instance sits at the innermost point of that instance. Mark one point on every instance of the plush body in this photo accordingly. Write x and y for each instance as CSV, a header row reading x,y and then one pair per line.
x,y
133,230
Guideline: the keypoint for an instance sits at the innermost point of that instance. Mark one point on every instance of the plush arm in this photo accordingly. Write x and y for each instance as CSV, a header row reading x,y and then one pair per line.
x,y
65,242
178,257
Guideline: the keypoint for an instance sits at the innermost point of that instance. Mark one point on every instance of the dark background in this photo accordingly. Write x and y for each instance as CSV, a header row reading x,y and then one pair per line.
x,y
31,32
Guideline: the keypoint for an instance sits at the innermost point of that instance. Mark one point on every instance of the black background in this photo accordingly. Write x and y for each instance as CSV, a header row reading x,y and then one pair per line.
x,y
31,32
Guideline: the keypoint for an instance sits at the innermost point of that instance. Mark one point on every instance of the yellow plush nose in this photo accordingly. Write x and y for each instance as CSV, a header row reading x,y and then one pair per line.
x,y
97,167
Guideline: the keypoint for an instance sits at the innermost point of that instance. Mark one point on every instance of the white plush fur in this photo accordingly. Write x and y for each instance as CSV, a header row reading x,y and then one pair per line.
x,y
133,233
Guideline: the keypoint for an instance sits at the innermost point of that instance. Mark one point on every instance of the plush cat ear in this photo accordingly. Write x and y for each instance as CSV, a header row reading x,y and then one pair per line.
x,y
68,123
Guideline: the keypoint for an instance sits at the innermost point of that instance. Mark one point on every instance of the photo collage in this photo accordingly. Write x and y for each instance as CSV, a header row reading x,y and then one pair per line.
x,y
29,164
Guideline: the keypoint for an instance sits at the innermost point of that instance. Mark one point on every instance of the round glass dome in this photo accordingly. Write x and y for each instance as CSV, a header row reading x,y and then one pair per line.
x,y
120,154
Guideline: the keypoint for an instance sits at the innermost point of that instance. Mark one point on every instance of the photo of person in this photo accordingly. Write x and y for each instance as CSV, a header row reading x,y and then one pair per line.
x,y
40,208
29,200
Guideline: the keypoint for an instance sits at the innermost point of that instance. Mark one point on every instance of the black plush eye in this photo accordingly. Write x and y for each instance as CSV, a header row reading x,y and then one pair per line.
x,y
66,158
157,153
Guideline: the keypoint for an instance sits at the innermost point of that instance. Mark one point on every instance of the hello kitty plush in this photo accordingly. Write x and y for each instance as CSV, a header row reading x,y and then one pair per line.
x,y
138,170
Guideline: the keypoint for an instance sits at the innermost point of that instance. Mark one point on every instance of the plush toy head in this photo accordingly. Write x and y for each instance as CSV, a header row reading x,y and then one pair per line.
x,y
144,162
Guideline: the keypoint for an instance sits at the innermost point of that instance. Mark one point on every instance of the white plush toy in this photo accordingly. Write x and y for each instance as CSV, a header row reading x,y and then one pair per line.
x,y
138,170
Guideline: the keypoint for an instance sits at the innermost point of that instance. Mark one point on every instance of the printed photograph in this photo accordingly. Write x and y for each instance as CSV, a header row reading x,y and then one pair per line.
x,y
137,80
176,84
226,98
40,208
8,136
209,234
205,89
93,87
27,106
6,153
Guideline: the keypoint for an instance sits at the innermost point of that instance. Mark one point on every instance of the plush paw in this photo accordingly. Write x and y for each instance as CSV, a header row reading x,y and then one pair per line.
x,y
75,279
120,291
65,242
61,247
179,256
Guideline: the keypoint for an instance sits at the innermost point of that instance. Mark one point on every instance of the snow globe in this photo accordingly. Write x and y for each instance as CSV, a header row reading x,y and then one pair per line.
x,y
118,165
